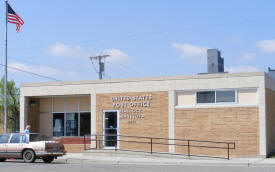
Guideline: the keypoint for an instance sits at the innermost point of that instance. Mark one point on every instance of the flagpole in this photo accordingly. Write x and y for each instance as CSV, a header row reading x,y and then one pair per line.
x,y
6,71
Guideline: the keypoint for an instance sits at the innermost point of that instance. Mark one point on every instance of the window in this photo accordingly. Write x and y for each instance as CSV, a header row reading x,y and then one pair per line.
x,y
227,96
4,138
15,139
18,139
58,124
206,97
85,123
71,124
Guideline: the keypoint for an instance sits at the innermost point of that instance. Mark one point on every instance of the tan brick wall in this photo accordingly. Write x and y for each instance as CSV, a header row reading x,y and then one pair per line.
x,y
154,123
270,118
33,116
234,124
75,148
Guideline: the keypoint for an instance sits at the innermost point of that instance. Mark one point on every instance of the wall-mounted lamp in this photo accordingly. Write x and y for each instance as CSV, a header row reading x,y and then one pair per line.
x,y
32,103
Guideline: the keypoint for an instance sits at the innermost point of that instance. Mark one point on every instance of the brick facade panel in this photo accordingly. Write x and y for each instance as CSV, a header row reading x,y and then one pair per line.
x,y
75,148
234,124
154,123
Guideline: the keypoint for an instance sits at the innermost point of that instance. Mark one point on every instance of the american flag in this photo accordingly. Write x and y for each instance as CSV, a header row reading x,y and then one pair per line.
x,y
14,18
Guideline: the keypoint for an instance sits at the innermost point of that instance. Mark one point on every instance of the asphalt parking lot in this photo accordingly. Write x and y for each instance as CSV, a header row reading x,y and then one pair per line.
x,y
20,166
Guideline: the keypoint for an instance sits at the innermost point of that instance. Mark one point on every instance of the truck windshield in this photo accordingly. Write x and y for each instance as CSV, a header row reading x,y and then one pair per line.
x,y
4,138
38,137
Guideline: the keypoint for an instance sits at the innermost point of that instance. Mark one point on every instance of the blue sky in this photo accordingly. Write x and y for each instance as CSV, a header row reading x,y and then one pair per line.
x,y
144,37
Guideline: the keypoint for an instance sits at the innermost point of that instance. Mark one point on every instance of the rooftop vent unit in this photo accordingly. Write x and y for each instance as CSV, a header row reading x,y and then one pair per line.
x,y
271,73
215,63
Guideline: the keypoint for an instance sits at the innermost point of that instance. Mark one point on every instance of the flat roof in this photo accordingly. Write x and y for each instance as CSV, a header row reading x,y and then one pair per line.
x,y
161,78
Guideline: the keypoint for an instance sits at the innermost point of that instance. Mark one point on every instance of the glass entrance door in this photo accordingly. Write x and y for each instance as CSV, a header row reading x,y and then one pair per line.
x,y
110,129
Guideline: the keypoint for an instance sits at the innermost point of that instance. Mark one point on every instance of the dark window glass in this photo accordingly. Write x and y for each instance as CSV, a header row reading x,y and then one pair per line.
x,y
75,124
15,139
85,123
206,97
58,124
72,124
110,129
4,138
38,137
225,96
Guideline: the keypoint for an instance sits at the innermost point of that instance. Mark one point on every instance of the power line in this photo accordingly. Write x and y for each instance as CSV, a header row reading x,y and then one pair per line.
x,y
127,69
122,70
130,69
67,69
31,73
94,66
118,66
163,32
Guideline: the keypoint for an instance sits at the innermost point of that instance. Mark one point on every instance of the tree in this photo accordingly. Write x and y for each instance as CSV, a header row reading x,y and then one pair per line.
x,y
13,105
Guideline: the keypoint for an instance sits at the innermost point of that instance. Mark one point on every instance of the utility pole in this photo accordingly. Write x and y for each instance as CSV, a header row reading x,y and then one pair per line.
x,y
100,64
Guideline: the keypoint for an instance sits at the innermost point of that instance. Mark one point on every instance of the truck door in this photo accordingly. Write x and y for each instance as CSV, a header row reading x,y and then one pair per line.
x,y
16,145
3,143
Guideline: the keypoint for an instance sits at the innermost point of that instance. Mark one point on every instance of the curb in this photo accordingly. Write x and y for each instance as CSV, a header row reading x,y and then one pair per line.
x,y
194,163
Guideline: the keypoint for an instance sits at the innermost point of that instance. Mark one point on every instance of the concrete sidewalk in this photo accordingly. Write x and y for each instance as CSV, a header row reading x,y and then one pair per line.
x,y
84,158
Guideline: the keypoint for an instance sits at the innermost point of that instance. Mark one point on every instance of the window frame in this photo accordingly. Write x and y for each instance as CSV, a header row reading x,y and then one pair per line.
x,y
215,102
64,123
78,112
20,139
235,96
63,113
9,137
206,91
13,136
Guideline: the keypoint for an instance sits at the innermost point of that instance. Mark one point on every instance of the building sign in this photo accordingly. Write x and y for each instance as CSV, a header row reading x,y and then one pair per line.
x,y
132,107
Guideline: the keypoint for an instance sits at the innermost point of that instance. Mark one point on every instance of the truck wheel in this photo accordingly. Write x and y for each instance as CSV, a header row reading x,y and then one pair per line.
x,y
29,156
2,159
48,159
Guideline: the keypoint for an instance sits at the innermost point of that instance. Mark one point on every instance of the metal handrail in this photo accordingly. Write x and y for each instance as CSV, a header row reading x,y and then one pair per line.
x,y
228,146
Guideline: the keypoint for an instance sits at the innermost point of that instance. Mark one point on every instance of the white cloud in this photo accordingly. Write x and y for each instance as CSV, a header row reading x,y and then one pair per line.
x,y
248,57
267,46
117,55
41,70
241,68
192,53
61,49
